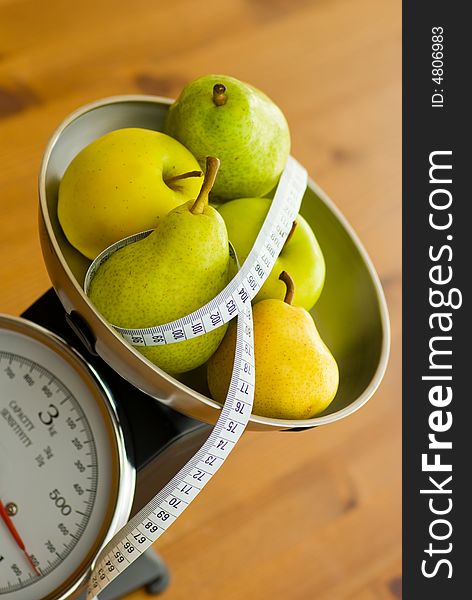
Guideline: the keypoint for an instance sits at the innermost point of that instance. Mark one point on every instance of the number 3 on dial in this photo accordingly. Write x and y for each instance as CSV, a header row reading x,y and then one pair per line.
x,y
52,413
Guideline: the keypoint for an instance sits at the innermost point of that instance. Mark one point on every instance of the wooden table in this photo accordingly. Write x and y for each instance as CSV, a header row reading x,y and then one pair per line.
x,y
334,68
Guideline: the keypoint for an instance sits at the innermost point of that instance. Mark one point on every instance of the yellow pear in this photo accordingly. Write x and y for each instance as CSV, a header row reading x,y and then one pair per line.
x,y
297,377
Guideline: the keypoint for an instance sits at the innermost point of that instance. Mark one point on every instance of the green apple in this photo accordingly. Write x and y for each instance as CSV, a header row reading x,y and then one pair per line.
x,y
301,254
123,183
217,115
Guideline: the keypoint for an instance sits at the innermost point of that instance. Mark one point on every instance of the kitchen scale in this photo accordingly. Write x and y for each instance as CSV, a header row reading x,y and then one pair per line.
x,y
90,431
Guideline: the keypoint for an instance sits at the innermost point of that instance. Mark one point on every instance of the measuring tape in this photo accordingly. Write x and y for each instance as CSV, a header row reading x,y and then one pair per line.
x,y
233,301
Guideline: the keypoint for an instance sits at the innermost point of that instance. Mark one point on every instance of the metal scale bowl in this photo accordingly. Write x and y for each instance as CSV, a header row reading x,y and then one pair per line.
x,y
351,314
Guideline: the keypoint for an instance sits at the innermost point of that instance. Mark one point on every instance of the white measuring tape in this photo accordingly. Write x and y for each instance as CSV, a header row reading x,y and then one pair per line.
x,y
155,518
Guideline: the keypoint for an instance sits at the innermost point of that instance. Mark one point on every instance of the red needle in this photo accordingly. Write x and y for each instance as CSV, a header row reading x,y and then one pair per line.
x,y
16,536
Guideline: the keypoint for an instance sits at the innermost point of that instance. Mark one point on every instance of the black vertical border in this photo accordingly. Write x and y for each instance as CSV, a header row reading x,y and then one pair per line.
x,y
427,129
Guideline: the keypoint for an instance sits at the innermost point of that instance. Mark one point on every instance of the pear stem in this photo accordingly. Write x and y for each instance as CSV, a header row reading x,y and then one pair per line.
x,y
212,166
290,293
219,94
183,176
290,233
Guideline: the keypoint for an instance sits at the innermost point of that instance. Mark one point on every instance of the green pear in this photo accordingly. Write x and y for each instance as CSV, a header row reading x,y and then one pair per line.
x,y
296,375
123,183
178,268
301,254
221,115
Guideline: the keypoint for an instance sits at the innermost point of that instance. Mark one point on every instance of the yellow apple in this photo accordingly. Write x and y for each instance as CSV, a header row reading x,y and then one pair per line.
x,y
301,255
123,183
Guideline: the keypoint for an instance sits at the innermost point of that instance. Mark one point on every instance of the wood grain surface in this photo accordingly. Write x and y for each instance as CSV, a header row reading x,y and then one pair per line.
x,y
327,525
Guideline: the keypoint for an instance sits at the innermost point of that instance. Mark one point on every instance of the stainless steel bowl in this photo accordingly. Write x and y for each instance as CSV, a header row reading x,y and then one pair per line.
x,y
351,314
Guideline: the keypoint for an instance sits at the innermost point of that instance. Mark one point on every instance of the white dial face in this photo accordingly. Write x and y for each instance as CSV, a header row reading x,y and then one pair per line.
x,y
58,469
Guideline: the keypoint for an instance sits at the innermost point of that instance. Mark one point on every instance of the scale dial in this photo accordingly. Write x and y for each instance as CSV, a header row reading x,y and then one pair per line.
x,y
65,483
